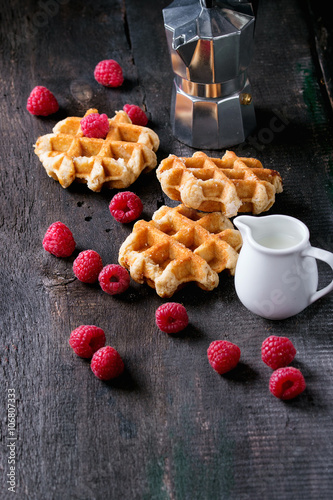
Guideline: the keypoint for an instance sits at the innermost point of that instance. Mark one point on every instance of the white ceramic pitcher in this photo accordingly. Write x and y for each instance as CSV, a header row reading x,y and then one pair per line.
x,y
276,274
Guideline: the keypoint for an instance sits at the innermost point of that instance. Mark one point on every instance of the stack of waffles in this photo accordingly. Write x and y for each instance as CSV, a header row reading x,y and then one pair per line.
x,y
180,245
196,240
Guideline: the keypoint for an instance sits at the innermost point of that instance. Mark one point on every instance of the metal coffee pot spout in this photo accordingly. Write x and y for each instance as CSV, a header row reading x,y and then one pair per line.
x,y
210,44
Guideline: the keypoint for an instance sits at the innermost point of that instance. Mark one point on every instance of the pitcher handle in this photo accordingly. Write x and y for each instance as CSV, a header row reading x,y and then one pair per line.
x,y
320,254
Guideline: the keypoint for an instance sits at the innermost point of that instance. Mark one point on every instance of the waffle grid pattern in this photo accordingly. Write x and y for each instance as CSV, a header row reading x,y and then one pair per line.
x,y
229,185
114,162
180,245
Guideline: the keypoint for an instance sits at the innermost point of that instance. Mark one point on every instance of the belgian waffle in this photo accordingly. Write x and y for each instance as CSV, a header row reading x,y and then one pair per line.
x,y
229,185
114,162
180,245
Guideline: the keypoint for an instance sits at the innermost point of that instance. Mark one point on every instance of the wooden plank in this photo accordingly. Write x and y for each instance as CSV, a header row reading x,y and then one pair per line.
x,y
170,427
321,27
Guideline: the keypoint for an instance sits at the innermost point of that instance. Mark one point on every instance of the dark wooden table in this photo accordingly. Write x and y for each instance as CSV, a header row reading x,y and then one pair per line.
x,y
170,427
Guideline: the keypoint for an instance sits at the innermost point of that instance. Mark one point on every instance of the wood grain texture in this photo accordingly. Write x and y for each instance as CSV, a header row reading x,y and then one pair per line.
x,y
170,428
321,25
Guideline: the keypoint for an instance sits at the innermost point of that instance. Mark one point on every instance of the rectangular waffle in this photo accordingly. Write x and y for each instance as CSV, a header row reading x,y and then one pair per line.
x,y
178,246
114,162
229,185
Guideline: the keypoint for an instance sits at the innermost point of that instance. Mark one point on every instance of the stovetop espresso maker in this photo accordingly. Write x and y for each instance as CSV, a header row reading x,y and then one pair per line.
x,y
210,43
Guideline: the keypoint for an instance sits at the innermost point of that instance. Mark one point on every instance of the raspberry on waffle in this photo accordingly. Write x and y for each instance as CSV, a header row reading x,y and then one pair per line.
x,y
229,185
178,246
114,162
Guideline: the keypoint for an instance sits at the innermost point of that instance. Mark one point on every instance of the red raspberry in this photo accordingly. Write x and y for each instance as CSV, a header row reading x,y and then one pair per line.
x,y
59,240
277,351
136,114
95,125
126,206
171,317
106,363
287,383
114,279
87,339
87,266
109,73
223,356
41,102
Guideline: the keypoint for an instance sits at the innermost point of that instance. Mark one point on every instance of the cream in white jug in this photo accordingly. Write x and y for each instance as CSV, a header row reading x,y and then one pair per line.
x,y
276,274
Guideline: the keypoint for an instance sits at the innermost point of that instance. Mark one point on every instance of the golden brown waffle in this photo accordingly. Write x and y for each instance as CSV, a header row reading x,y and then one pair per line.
x,y
114,162
178,246
229,185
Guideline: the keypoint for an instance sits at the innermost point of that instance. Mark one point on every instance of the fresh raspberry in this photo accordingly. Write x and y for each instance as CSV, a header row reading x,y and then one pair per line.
x,y
136,114
126,206
59,240
95,125
87,266
86,340
41,102
106,363
223,356
277,351
287,383
171,317
114,279
109,73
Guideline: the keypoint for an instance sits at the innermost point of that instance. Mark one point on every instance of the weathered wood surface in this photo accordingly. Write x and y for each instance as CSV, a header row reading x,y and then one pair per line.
x,y
170,427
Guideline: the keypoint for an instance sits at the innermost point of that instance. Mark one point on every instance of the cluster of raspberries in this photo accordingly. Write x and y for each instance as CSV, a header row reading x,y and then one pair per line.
x,y
42,102
286,382
88,266
88,341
